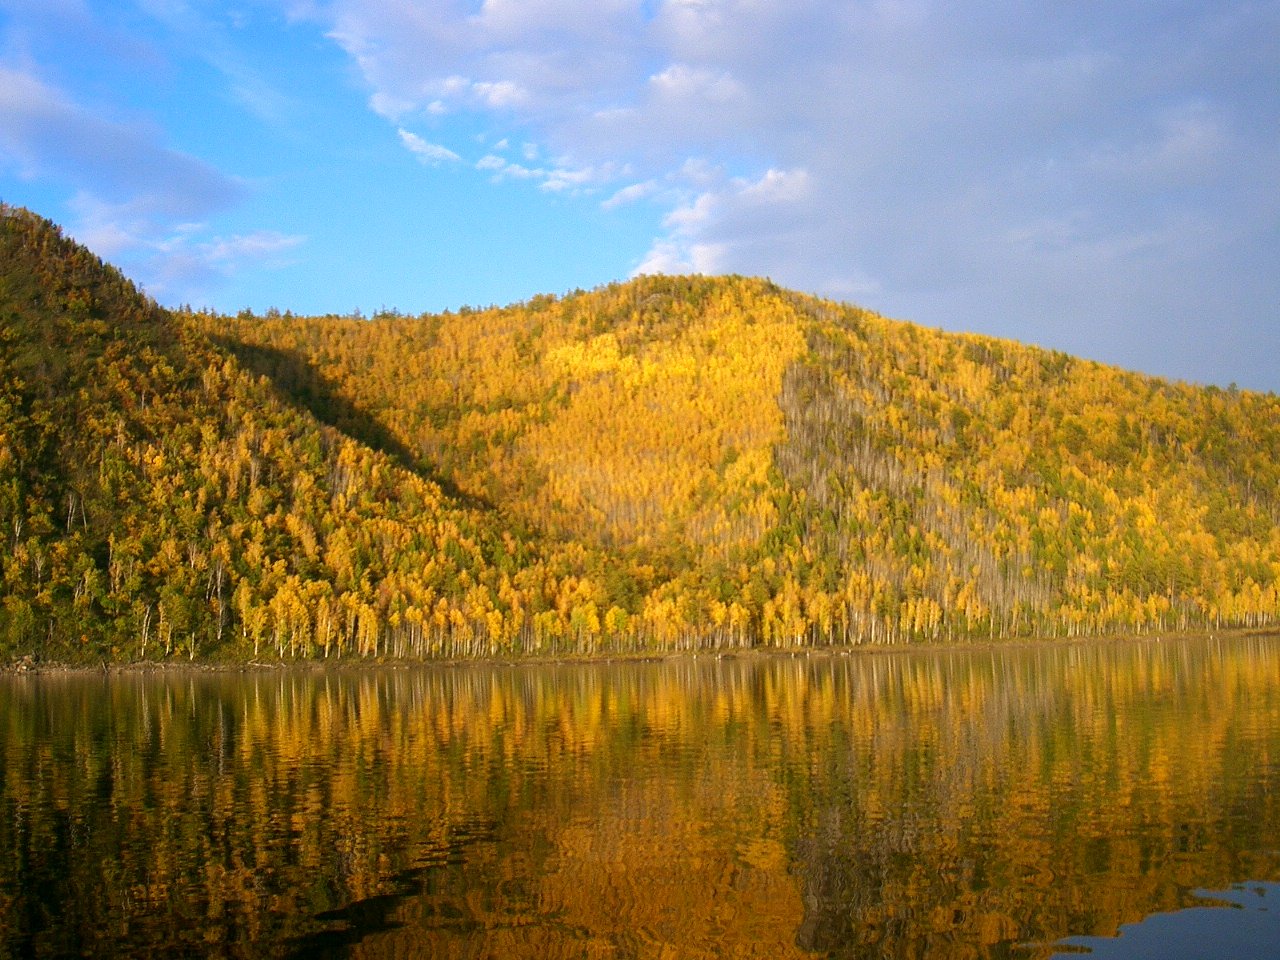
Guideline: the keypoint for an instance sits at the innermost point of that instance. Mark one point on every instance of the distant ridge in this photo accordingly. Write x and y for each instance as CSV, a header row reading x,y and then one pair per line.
x,y
669,463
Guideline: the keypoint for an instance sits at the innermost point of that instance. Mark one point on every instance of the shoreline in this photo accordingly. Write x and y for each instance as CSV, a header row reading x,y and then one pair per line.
x,y
28,666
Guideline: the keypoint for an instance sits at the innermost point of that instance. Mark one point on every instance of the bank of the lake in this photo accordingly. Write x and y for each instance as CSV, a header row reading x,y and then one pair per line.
x,y
30,665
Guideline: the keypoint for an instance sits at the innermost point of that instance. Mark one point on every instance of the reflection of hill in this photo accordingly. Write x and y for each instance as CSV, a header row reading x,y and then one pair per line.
x,y
923,805
1020,796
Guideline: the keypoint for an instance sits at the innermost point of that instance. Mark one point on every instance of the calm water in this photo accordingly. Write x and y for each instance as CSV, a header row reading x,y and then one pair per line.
x,y
913,805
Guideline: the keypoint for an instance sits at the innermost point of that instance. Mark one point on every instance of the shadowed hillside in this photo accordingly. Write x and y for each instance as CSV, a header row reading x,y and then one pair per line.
x,y
669,463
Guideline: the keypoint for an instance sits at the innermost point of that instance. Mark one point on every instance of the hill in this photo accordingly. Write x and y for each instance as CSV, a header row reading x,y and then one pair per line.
x,y
156,499
670,463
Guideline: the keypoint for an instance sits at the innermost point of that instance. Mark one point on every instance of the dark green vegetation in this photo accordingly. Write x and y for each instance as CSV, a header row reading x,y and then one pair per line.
x,y
669,463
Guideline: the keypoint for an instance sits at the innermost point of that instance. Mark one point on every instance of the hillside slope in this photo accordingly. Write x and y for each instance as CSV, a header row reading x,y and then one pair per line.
x,y
774,468
667,463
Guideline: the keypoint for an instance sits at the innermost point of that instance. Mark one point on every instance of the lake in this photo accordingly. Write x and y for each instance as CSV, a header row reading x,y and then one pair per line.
x,y
1005,802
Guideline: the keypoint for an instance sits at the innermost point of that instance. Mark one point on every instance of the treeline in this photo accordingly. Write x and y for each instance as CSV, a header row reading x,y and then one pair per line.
x,y
670,463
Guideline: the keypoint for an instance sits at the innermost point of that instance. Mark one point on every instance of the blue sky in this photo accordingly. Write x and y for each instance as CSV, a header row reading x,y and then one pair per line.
x,y
1098,177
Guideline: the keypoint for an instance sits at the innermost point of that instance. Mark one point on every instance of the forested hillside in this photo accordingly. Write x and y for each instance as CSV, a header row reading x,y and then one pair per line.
x,y
157,499
669,463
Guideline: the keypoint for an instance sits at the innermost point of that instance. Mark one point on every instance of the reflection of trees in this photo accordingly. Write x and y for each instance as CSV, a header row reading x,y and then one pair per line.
x,y
912,805
1028,795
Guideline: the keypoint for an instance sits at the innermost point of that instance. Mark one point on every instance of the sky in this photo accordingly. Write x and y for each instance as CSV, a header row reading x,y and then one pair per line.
x,y
1096,176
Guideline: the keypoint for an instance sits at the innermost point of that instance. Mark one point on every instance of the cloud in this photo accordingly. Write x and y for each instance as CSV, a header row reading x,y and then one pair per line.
x,y
430,153
556,179
44,133
133,199
630,194
500,95
268,245
189,262
174,261
666,256
680,81
513,56
718,228
390,107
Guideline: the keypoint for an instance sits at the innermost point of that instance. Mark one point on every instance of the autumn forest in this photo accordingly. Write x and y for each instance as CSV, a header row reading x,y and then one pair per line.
x,y
671,463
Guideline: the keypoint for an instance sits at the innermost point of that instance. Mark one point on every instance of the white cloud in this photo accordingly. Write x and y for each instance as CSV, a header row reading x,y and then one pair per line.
x,y
778,186
681,81
516,56
173,261
538,21
555,179
431,153
261,245
500,94
715,230
630,194
390,107
665,256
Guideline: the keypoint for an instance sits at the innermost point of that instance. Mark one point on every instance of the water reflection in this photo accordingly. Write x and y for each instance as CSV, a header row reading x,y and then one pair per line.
x,y
957,804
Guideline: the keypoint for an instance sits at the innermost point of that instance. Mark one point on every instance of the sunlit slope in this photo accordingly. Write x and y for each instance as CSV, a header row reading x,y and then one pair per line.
x,y
767,467
639,417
